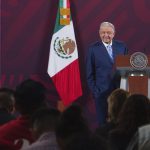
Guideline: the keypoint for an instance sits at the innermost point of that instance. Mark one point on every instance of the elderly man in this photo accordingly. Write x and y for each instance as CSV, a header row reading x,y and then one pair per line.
x,y
101,75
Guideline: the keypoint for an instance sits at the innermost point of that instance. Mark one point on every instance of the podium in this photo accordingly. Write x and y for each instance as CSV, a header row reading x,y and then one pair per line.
x,y
135,76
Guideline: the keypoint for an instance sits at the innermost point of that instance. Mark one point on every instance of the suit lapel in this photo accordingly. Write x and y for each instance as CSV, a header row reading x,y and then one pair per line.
x,y
104,50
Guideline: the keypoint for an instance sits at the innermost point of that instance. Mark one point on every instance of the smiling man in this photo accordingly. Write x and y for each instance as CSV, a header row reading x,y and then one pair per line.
x,y
101,75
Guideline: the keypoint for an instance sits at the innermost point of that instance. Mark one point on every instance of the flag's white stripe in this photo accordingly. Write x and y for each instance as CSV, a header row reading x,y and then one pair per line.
x,y
64,6
56,63
64,3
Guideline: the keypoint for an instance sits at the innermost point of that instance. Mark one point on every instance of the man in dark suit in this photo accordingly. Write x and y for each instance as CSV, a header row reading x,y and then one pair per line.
x,y
102,77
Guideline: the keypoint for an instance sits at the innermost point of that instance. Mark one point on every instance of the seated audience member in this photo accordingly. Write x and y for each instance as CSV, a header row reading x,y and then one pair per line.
x,y
43,123
71,123
145,146
84,142
115,103
6,105
16,134
144,137
135,113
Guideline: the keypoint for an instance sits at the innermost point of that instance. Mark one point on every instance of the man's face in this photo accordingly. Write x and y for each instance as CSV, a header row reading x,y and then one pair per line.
x,y
106,34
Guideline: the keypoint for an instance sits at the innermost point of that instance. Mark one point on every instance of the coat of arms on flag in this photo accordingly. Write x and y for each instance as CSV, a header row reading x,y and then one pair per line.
x,y
64,47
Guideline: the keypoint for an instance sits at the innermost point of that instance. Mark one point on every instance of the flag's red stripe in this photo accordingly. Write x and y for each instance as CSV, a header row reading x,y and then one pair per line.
x,y
68,4
68,83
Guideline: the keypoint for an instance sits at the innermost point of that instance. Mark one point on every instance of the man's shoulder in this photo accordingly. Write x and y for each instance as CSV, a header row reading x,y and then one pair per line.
x,y
100,43
117,42
15,125
96,43
8,126
145,128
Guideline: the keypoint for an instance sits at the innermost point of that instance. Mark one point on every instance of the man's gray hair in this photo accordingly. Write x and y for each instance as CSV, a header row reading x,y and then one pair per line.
x,y
108,24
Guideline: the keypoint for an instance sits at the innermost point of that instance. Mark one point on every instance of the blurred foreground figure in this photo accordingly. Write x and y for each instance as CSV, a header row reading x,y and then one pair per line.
x,y
29,97
44,123
6,105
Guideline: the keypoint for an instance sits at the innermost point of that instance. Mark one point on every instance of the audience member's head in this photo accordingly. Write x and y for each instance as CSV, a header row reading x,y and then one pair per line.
x,y
29,96
6,99
44,120
71,123
135,113
115,103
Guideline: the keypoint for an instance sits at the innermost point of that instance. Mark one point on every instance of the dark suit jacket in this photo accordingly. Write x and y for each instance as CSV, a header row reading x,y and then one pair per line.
x,y
101,75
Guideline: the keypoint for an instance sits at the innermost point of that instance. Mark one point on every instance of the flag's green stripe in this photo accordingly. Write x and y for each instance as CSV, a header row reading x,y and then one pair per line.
x,y
60,3
57,24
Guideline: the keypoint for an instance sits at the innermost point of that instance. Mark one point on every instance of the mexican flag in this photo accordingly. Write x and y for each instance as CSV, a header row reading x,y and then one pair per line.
x,y
63,66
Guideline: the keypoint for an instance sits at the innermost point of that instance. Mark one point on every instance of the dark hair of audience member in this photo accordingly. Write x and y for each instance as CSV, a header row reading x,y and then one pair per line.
x,y
6,99
6,105
29,96
115,103
44,120
71,123
134,114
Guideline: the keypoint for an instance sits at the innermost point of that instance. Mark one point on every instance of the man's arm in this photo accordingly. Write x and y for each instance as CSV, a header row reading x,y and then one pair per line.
x,y
90,69
126,50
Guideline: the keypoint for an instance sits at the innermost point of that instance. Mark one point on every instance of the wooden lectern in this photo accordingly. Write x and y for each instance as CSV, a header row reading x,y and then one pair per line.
x,y
133,80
